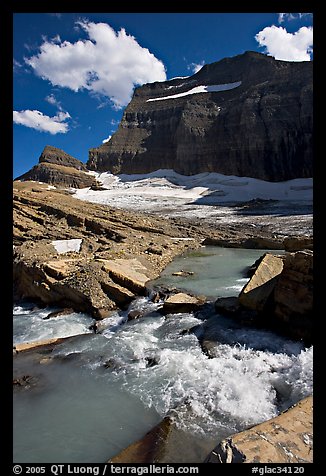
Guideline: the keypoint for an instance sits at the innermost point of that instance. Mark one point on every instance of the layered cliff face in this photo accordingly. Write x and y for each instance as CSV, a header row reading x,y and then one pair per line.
x,y
249,115
56,167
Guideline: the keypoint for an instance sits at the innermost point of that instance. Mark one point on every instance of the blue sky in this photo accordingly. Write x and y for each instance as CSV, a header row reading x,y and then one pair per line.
x,y
74,73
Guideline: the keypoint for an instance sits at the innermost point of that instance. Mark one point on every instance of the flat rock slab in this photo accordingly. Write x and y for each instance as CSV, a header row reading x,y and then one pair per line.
x,y
129,273
60,269
258,289
287,438
41,343
32,345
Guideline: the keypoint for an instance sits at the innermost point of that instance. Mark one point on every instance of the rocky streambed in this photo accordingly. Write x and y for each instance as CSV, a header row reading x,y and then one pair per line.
x,y
209,371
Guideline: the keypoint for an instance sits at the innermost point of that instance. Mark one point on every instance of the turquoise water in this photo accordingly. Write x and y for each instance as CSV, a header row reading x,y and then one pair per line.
x,y
217,271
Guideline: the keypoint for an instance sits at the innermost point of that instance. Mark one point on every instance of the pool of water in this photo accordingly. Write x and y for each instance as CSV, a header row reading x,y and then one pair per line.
x,y
217,271
72,414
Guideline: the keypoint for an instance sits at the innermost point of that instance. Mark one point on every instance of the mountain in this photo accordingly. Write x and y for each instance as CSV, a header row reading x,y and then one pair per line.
x,y
56,167
249,115
53,155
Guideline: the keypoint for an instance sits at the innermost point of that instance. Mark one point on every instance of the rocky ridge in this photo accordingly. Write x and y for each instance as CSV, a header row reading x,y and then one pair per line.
x,y
234,130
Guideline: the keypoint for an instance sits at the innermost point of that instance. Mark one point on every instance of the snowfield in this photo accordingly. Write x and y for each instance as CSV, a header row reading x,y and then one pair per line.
x,y
209,197
205,188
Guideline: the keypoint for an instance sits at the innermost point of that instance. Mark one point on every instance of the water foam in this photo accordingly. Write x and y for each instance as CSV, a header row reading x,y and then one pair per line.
x,y
244,384
31,324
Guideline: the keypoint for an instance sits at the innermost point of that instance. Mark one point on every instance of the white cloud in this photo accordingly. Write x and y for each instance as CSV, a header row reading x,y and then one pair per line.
x,y
37,120
56,39
291,16
195,67
16,65
51,99
106,140
287,46
108,63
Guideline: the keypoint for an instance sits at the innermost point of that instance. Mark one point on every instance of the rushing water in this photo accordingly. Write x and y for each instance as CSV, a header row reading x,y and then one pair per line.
x,y
97,393
31,324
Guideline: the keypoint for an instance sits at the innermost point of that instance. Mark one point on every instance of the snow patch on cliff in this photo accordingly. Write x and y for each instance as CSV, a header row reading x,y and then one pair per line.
x,y
214,88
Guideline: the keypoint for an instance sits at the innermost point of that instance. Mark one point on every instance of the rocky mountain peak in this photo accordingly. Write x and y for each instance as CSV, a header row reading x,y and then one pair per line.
x,y
58,168
53,155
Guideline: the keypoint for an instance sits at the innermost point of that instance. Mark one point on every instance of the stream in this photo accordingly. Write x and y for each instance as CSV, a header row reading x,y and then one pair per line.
x,y
95,394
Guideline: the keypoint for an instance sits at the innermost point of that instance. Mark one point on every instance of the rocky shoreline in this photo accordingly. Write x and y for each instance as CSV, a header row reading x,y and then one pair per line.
x,y
97,259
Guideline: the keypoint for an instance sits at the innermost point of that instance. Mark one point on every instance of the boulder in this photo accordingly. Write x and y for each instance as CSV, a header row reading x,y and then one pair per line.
x,y
293,295
280,295
134,314
259,288
181,302
81,285
286,438
166,443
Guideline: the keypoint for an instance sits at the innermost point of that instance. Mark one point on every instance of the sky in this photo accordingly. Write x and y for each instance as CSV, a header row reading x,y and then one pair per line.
x,y
74,73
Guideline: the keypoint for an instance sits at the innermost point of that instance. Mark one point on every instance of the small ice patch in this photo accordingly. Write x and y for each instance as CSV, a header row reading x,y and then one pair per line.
x,y
64,246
